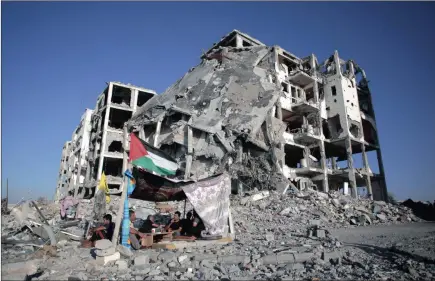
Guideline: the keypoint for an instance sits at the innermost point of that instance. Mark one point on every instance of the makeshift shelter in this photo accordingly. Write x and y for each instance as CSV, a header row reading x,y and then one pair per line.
x,y
155,179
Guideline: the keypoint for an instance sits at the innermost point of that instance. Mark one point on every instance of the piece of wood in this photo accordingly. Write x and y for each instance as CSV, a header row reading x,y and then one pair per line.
x,y
40,213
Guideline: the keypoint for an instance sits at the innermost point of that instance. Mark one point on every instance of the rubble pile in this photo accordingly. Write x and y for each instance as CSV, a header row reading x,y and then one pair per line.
x,y
256,215
278,237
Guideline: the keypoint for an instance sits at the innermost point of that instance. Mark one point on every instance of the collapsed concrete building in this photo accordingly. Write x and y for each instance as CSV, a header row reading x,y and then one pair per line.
x,y
63,180
73,158
269,118
115,106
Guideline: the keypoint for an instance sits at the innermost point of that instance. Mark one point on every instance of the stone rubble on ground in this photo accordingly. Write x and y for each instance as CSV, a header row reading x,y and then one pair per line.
x,y
277,236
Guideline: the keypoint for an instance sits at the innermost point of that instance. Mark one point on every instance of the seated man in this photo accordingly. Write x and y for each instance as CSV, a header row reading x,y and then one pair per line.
x,y
175,224
149,224
186,224
102,232
135,234
197,227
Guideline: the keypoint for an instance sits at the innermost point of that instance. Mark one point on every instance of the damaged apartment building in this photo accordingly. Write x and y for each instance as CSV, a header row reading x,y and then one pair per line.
x,y
102,149
268,118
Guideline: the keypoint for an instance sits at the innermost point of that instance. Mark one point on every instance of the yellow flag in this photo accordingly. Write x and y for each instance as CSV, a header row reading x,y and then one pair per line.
x,y
104,187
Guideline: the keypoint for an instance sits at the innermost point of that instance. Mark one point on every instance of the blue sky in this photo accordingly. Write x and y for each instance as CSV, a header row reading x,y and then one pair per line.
x,y
56,58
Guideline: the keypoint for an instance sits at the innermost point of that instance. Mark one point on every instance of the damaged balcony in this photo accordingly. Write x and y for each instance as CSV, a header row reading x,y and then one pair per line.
x,y
304,129
121,97
112,168
114,147
117,118
299,163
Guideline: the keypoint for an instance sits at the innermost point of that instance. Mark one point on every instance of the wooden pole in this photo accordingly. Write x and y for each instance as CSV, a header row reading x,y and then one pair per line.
x,y
184,215
124,186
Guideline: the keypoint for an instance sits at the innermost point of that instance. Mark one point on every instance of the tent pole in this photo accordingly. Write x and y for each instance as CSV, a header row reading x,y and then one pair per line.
x,y
184,215
124,186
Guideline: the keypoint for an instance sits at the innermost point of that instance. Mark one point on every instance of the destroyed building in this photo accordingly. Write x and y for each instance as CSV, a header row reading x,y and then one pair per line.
x,y
269,118
62,181
73,158
97,142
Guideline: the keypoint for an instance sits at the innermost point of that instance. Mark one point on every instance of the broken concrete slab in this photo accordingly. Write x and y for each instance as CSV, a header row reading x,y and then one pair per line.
x,y
103,244
107,259
20,268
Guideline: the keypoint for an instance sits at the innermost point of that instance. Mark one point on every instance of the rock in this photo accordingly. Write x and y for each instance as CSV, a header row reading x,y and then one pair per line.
x,y
381,217
320,233
172,264
270,237
106,252
103,244
182,259
377,209
166,256
141,260
333,257
285,211
106,259
122,264
124,251
206,264
363,210
154,272
19,268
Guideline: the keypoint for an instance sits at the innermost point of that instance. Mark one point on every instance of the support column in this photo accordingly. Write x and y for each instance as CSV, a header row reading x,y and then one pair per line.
x,y
307,156
105,126
382,174
325,182
189,155
352,179
77,184
367,169
134,97
157,134
240,160
281,145
334,163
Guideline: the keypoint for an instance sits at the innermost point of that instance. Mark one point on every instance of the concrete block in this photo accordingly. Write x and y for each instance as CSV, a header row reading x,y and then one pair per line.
x,y
269,259
106,252
303,257
103,244
105,260
381,217
333,257
315,222
141,260
122,264
234,259
320,233
285,258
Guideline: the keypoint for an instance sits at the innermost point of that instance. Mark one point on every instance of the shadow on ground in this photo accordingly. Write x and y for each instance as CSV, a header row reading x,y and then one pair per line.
x,y
390,253
421,210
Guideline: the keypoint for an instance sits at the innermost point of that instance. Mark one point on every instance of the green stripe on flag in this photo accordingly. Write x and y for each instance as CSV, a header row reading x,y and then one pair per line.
x,y
148,164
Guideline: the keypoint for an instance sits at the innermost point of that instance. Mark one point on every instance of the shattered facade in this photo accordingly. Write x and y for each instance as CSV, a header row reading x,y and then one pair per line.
x,y
62,182
114,107
74,154
269,118
97,141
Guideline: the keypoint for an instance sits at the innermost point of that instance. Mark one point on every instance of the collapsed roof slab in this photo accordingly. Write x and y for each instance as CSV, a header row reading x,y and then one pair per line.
x,y
228,96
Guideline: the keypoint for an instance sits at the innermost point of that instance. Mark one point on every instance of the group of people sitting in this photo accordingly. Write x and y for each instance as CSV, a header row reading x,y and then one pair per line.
x,y
189,227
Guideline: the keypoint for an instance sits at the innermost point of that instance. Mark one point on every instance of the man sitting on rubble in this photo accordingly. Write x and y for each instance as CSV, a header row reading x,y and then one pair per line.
x,y
175,224
149,224
101,232
136,237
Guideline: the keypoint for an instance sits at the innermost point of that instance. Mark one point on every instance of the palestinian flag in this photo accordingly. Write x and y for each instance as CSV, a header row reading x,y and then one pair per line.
x,y
151,159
